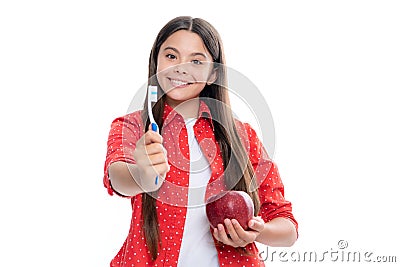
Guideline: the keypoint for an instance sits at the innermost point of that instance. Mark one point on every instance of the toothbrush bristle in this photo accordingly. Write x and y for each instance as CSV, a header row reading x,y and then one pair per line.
x,y
153,93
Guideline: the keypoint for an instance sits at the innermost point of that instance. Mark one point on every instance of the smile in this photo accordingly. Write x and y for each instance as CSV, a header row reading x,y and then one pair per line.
x,y
179,83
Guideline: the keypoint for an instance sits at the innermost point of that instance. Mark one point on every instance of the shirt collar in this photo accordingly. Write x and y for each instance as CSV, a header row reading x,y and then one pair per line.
x,y
170,114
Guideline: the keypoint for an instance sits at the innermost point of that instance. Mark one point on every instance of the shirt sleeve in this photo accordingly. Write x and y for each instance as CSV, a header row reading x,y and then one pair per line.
x,y
270,187
124,133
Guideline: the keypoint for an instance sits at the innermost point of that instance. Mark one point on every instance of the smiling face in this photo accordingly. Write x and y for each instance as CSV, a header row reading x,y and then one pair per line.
x,y
184,67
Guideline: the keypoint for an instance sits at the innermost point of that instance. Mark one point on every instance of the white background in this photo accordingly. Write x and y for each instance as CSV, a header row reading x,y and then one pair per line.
x,y
329,71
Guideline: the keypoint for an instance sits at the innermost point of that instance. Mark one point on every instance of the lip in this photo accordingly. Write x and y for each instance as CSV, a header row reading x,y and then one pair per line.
x,y
178,83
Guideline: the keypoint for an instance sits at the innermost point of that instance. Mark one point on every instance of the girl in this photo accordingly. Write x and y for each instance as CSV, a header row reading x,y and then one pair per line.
x,y
202,150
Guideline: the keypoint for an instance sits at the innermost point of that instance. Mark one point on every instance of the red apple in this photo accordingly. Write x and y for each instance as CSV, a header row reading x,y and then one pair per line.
x,y
230,205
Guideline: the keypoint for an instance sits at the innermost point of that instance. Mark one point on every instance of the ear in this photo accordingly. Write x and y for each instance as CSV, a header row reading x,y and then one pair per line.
x,y
213,76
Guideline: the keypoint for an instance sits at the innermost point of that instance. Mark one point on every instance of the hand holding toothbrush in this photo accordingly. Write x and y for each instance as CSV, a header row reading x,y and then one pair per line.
x,y
151,161
150,155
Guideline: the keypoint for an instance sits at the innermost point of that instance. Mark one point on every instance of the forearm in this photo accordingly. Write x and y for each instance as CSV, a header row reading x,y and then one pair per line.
x,y
122,178
279,232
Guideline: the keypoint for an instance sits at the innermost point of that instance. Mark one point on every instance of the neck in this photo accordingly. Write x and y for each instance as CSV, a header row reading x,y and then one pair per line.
x,y
188,109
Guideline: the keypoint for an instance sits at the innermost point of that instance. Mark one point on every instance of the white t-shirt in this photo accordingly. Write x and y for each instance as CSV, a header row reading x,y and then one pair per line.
x,y
197,247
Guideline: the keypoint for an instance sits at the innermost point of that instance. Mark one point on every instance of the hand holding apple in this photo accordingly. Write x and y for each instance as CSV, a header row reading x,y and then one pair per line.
x,y
234,235
230,205
231,214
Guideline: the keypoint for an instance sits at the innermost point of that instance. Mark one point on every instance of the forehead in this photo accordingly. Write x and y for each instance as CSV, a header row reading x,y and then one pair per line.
x,y
186,42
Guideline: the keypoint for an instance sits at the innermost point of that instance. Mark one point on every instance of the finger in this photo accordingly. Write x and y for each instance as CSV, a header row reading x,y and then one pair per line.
x,y
165,152
152,137
243,235
215,234
223,237
146,160
238,228
155,148
231,231
157,159
256,225
258,218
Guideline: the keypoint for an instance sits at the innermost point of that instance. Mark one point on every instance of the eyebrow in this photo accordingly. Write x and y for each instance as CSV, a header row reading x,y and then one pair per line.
x,y
192,54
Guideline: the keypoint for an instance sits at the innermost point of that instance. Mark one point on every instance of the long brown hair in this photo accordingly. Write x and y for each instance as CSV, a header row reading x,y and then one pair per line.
x,y
234,156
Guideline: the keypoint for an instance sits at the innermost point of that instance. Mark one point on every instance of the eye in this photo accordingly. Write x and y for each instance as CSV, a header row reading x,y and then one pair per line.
x,y
197,62
171,56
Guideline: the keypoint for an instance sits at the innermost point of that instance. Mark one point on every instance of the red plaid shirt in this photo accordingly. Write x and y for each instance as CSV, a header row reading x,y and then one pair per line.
x,y
172,196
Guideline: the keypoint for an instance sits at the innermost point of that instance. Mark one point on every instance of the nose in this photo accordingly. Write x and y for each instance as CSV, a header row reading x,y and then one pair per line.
x,y
180,68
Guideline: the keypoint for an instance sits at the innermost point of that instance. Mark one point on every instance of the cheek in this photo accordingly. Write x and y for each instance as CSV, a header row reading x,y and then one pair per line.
x,y
160,66
202,74
161,72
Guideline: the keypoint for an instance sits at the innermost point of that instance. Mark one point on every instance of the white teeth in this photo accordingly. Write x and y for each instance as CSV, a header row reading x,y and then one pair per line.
x,y
178,83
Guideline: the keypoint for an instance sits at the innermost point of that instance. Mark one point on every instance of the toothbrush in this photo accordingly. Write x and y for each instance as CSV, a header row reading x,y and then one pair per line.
x,y
152,98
